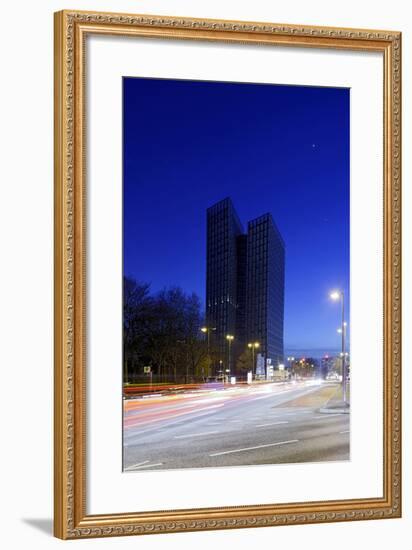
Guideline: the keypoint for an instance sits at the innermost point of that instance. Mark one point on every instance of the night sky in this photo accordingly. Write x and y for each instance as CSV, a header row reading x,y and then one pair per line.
x,y
278,149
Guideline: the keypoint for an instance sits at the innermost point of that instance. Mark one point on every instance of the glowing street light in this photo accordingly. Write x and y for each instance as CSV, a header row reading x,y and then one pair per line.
x,y
339,295
253,346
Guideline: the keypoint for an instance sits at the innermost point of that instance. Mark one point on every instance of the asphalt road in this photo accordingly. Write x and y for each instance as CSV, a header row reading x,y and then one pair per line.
x,y
265,424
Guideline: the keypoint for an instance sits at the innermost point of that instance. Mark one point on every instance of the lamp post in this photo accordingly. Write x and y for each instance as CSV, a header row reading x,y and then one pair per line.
x,y
339,331
339,295
290,359
207,330
342,331
229,338
253,346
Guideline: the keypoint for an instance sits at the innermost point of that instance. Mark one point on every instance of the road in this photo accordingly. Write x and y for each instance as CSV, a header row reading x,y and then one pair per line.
x,y
259,424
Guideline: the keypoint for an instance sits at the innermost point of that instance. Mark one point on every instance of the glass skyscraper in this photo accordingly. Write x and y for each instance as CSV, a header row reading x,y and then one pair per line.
x,y
245,282
265,287
224,298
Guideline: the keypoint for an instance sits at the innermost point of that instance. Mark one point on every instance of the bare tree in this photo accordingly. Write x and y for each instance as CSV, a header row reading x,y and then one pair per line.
x,y
163,330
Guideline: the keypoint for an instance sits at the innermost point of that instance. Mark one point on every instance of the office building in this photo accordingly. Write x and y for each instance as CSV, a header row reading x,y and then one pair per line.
x,y
223,292
265,286
244,286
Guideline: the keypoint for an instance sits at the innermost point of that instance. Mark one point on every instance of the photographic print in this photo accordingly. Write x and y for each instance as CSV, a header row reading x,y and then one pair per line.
x,y
236,274
227,274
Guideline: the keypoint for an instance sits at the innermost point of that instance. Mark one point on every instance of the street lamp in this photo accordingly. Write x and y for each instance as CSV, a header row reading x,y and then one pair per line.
x,y
290,360
343,332
339,295
253,346
229,338
207,330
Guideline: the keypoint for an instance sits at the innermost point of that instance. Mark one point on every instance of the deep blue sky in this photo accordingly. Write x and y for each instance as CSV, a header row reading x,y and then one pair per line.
x,y
278,149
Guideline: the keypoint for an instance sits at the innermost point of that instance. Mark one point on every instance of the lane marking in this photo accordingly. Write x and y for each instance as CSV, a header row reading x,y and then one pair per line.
x,y
142,422
265,396
149,466
277,413
137,433
136,465
327,415
345,432
194,435
257,447
272,424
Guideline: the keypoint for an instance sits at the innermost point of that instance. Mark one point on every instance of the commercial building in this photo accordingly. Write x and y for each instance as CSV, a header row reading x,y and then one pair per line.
x,y
265,287
245,283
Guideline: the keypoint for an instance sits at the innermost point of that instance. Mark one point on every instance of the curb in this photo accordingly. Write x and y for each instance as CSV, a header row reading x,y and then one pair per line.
x,y
339,408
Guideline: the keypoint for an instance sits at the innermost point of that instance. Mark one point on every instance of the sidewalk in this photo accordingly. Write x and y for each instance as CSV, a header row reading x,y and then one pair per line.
x,y
315,398
336,404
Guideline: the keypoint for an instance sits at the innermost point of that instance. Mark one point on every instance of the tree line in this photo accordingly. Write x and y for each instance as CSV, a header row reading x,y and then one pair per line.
x,y
163,331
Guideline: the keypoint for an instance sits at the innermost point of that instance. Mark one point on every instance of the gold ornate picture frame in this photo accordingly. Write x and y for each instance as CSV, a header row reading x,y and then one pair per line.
x,y
71,520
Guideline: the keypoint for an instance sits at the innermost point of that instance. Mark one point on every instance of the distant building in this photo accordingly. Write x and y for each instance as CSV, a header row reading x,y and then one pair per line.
x,y
245,283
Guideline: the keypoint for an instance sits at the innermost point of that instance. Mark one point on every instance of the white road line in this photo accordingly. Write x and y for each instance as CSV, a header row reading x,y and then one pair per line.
x,y
290,413
272,424
327,415
345,432
264,397
299,414
149,466
257,447
137,433
172,417
135,465
194,435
